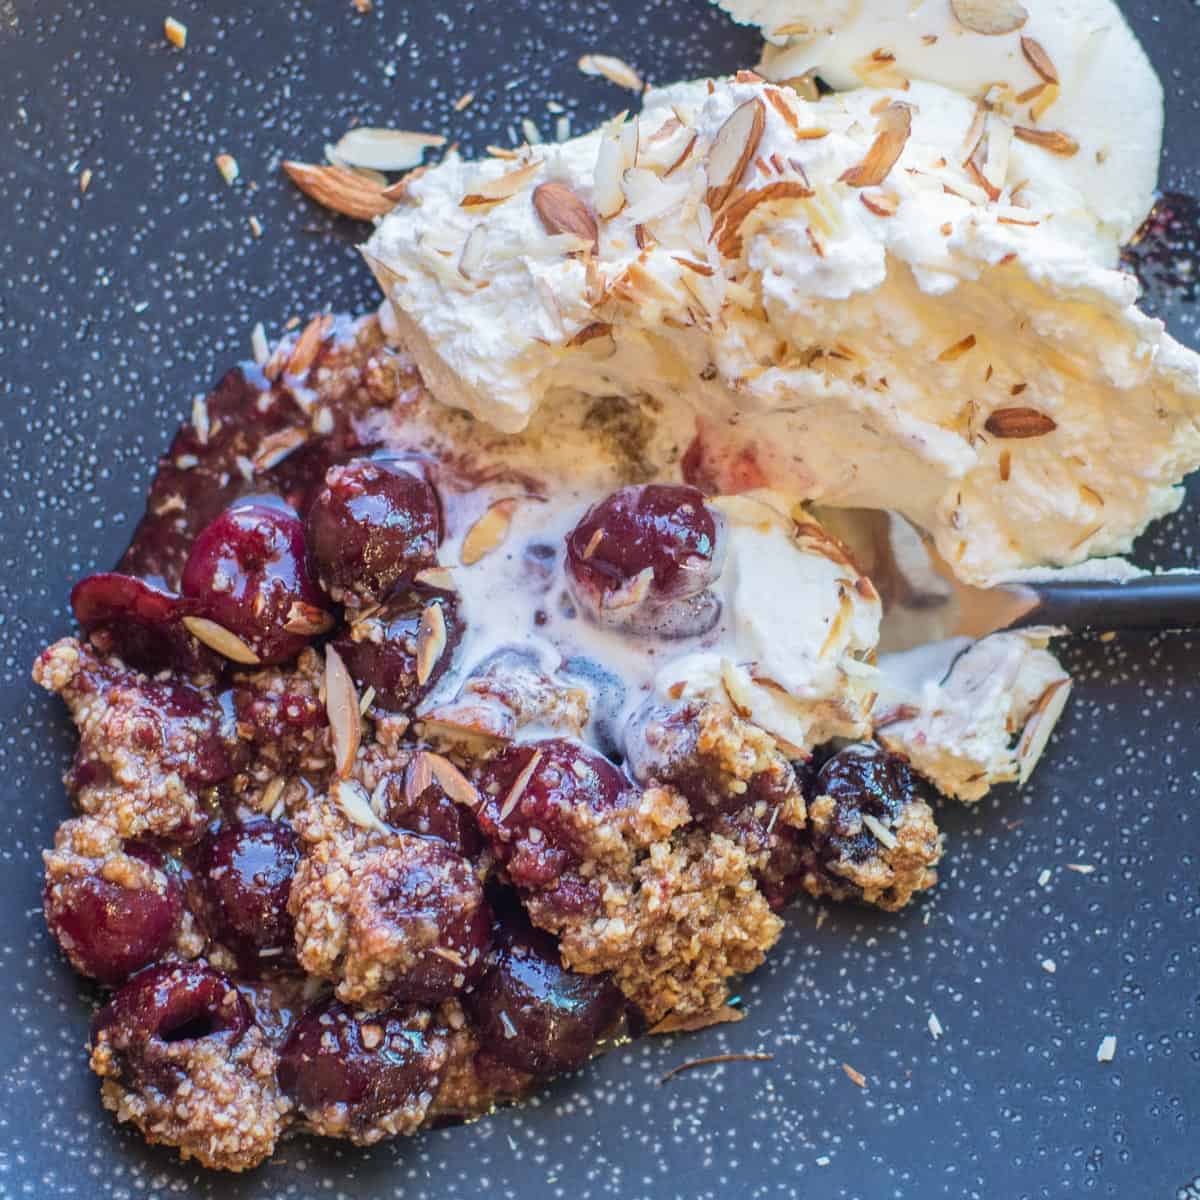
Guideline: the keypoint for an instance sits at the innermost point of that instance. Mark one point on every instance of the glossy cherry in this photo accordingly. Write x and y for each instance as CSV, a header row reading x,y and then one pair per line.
x,y
532,1013
374,524
242,875
248,572
109,930
644,558
381,652
368,1063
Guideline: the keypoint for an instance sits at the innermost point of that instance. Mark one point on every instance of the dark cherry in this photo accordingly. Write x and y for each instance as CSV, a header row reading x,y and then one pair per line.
x,y
381,651
532,1013
862,779
431,813
109,931
431,899
151,1020
242,875
545,832
644,558
248,572
141,623
373,1064
374,524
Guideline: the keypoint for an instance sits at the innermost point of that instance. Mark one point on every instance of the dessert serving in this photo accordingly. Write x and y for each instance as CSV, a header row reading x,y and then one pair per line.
x,y
488,673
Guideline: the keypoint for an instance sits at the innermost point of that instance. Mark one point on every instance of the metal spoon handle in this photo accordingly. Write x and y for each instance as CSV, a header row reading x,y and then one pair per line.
x,y
1155,602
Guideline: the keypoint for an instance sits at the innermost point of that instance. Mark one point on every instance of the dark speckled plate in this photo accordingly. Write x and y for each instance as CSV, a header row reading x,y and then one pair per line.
x,y
118,305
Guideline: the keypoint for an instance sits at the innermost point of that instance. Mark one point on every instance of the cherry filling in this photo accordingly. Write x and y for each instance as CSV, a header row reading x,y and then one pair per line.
x,y
430,812
644,558
542,802
149,1022
141,623
247,571
405,648
367,1065
108,928
532,1013
243,875
374,524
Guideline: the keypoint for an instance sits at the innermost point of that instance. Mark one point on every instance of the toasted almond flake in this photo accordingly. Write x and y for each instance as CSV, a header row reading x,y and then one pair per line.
x,y
778,101
473,258
275,447
615,70
691,1022
431,641
436,577
1040,725
1090,495
451,956
1038,59
1081,868
1049,966
1045,98
340,190
1052,140
256,228
271,794
955,352
732,150
698,267
990,17
1015,221
385,149
1044,877
341,706
1107,1049
728,229
464,101
593,543
562,211
307,619
855,1077
1005,465
562,128
596,329
217,637
452,781
503,187
85,179
200,421
418,776
895,125
1032,93
792,29
307,345
533,135
175,32
502,152
880,203
488,532
364,704
805,86
519,785
684,155
228,166
351,797
935,1026
1019,423
631,593
883,835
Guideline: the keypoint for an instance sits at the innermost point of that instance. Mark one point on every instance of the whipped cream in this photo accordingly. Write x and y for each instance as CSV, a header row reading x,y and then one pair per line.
x,y
915,344
1107,96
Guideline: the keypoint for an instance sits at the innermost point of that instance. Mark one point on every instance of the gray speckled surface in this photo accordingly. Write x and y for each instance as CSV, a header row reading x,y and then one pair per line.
x,y
118,305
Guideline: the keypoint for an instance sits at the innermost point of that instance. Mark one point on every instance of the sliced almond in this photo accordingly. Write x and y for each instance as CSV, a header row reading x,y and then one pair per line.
x,y
733,216
607,193
228,166
307,620
436,577
1053,140
519,785
351,797
596,329
691,1022
1040,726
1038,59
503,187
217,637
1045,98
895,125
385,149
175,32
488,532
341,706
275,447
307,345
1019,423
880,203
733,149
883,835
271,794
452,781
684,155
615,70
955,352
418,776
991,17
562,211
805,86
431,641
632,593
340,190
